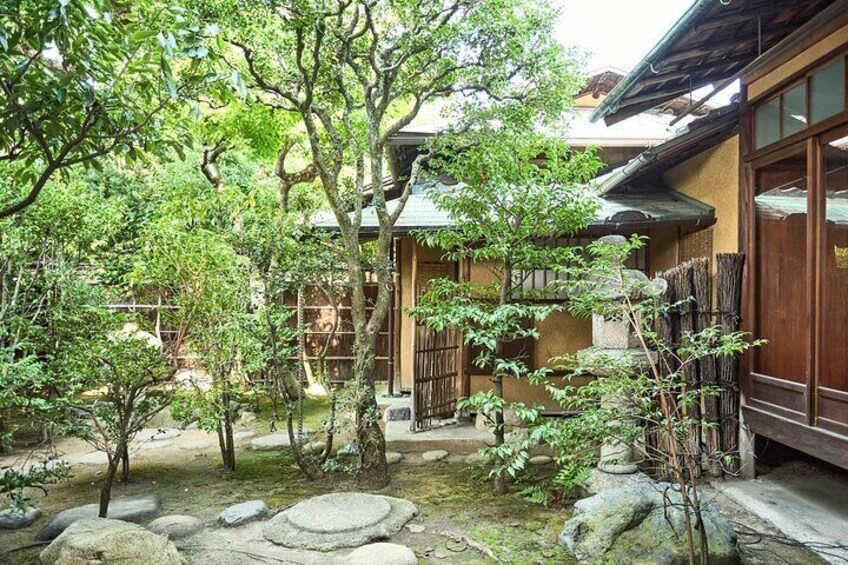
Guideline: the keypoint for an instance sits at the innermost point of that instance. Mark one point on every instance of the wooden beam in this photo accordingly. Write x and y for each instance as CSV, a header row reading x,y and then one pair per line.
x,y
709,47
746,14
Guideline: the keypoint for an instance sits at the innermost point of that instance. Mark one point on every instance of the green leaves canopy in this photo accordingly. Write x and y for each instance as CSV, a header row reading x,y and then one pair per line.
x,y
79,80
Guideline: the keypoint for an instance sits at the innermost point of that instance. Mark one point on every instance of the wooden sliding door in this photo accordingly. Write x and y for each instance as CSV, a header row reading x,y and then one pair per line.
x,y
781,264
798,286
831,392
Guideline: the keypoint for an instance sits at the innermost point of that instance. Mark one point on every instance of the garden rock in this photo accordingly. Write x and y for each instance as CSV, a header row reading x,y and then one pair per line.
x,y
14,519
599,481
130,509
397,414
348,450
331,521
246,418
315,447
243,513
273,442
393,457
381,554
436,455
540,460
475,459
634,525
102,541
176,526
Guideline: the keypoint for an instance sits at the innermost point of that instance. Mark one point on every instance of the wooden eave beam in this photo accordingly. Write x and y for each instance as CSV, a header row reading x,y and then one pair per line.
x,y
746,14
705,48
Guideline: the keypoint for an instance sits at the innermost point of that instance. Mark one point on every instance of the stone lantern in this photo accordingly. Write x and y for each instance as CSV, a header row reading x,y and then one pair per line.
x,y
613,338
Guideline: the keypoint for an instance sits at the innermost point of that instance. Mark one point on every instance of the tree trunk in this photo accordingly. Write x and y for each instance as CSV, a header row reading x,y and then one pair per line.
x,y
108,481
497,379
125,464
373,469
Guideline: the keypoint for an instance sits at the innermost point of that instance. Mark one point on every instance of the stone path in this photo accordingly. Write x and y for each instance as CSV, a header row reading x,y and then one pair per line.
x,y
335,520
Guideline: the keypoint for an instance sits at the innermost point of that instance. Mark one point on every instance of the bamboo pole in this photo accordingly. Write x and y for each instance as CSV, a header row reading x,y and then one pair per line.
x,y
729,281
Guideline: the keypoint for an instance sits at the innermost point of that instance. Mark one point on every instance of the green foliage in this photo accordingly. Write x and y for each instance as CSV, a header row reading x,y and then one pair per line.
x,y
630,397
86,79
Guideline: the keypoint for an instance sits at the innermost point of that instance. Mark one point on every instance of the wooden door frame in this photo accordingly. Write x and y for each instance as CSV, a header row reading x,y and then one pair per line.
x,y
803,434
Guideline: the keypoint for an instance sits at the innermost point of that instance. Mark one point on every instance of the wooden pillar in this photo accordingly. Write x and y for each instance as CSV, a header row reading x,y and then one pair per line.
x,y
414,303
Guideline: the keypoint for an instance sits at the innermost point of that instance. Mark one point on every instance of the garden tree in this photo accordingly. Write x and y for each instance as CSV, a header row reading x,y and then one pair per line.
x,y
45,303
287,258
356,72
518,192
81,80
207,285
657,392
122,389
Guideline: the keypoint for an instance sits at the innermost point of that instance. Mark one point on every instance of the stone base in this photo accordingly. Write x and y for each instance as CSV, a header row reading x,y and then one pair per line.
x,y
600,481
331,521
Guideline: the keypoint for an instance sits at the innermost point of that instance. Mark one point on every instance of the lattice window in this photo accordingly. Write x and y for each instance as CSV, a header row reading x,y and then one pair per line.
x,y
539,279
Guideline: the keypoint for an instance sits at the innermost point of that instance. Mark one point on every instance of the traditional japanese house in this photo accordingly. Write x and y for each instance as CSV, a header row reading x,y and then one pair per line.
x,y
780,192
437,369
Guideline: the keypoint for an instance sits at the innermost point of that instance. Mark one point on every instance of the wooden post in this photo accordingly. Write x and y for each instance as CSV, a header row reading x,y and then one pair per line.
x,y
414,298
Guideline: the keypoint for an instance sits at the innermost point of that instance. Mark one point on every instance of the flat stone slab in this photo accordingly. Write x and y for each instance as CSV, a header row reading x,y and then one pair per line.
x,y
242,436
243,513
135,509
196,445
393,457
270,442
157,434
175,526
381,554
335,520
153,445
14,519
91,458
436,455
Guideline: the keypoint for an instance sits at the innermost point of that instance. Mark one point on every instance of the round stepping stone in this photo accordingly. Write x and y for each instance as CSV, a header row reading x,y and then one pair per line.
x,y
540,460
314,517
335,520
381,554
176,526
243,513
436,455
393,457
136,509
14,519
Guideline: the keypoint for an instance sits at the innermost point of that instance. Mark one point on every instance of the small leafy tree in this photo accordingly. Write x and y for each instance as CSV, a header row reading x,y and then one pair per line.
x,y
655,392
126,386
519,190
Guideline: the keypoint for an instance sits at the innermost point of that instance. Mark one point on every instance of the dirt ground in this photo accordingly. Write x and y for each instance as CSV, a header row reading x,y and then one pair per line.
x,y
460,521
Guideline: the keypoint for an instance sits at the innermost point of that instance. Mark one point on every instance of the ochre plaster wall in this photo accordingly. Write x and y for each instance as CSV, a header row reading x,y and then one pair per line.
x,y
713,178
830,43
